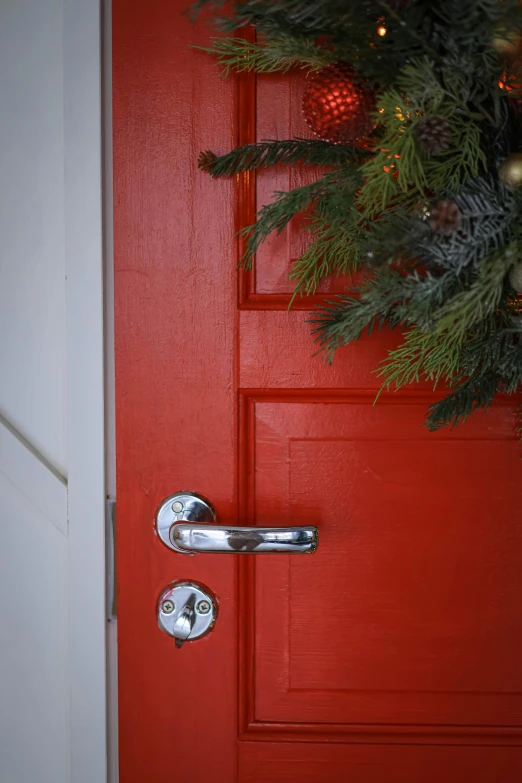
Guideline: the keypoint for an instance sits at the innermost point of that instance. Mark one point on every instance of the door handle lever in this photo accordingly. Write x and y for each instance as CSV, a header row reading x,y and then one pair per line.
x,y
186,523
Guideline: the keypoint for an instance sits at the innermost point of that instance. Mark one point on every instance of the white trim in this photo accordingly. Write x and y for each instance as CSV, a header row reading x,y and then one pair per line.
x,y
85,386
33,476
110,404
110,373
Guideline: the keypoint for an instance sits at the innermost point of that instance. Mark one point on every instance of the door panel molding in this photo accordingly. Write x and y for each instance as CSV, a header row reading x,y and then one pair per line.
x,y
264,631
362,734
253,98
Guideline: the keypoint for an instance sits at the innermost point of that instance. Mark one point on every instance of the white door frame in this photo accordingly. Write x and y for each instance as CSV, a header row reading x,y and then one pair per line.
x,y
85,387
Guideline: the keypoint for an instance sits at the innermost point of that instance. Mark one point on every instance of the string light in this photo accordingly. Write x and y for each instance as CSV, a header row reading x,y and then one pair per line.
x,y
381,30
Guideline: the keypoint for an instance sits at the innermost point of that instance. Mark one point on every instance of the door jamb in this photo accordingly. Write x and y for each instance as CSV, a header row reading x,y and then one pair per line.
x,y
85,387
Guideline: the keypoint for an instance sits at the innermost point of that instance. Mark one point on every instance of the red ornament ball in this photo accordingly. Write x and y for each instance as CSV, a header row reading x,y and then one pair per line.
x,y
336,108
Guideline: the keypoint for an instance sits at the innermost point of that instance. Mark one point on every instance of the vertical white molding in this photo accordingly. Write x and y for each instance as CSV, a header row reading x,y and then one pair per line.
x,y
110,426
85,386
110,403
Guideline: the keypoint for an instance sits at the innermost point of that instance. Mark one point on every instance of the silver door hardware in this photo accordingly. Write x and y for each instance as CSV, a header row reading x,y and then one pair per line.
x,y
187,523
186,611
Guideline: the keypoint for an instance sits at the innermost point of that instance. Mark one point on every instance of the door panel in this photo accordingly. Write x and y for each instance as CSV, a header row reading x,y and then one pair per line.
x,y
415,593
276,352
392,654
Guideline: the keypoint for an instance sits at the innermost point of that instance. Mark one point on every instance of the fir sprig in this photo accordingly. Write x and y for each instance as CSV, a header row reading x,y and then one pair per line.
x,y
268,153
472,394
435,354
324,193
280,53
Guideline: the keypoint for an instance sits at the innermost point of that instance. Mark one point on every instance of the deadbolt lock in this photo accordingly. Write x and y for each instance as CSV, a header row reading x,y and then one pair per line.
x,y
186,611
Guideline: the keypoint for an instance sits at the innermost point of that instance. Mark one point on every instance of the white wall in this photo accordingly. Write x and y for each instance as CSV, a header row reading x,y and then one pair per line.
x,y
52,665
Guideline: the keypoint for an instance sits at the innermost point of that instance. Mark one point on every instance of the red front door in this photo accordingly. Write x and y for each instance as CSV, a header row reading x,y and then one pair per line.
x,y
393,654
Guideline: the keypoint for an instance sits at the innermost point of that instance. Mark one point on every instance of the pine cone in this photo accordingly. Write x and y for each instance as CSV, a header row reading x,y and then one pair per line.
x,y
445,217
434,134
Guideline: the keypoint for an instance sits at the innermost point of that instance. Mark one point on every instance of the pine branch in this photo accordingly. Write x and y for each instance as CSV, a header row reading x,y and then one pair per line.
x,y
495,347
280,53
333,250
315,17
389,298
471,395
473,305
469,19
270,153
276,216
400,166
489,221
437,354
464,159
431,355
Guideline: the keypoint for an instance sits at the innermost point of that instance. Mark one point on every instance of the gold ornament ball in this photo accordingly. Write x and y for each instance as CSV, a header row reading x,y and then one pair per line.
x,y
510,170
515,278
508,43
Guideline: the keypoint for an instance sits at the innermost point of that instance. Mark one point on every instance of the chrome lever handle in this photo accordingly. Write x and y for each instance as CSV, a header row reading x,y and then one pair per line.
x,y
189,538
186,523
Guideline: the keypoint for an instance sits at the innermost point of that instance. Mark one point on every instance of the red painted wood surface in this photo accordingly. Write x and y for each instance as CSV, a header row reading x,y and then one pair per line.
x,y
393,653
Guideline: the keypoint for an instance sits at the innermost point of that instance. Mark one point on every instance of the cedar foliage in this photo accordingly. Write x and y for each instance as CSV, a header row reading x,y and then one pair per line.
x,y
370,212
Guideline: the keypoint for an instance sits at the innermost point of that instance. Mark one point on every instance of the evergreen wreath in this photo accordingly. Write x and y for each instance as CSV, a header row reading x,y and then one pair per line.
x,y
427,208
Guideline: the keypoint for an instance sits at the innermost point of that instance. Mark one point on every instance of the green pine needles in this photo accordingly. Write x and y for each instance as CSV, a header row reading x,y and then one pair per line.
x,y
423,212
